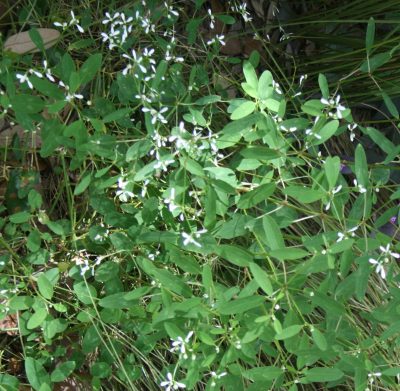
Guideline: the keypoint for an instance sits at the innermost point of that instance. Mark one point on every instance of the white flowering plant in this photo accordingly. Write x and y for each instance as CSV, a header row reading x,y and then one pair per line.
x,y
192,240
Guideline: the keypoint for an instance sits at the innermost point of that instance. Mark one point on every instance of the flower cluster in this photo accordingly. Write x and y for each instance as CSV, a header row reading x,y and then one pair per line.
x,y
242,10
24,78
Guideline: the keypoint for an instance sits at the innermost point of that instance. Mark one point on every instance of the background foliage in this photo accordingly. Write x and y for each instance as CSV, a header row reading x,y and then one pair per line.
x,y
178,213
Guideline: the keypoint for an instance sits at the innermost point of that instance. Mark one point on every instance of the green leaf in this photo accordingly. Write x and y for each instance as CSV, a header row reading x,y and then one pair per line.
x,y
245,109
272,104
35,199
90,67
20,303
265,89
116,300
47,88
303,194
20,217
239,306
375,62
62,371
323,85
45,287
256,195
83,184
370,37
273,236
327,131
319,339
138,149
263,373
250,75
261,278
361,166
206,100
288,253
160,72
332,169
27,104
37,39
137,293
37,318
321,374
117,115
380,140
234,254
390,105
85,292
260,153
36,373
289,332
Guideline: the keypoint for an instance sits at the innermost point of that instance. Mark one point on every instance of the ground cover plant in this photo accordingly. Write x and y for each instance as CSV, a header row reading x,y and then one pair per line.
x,y
178,214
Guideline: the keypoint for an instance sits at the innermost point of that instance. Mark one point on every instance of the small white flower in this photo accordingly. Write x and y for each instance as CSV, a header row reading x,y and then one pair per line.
x,y
75,21
386,252
69,97
379,267
212,19
303,78
123,194
217,38
170,11
309,132
171,384
163,164
23,78
180,344
188,238
361,188
170,201
347,234
156,115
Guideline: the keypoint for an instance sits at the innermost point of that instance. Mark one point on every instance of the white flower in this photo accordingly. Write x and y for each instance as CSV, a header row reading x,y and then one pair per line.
x,y
334,191
170,201
242,9
345,235
212,19
170,11
334,104
386,252
188,238
180,344
156,115
75,22
48,72
303,78
23,78
291,129
379,267
72,22
123,194
361,188
219,38
351,128
171,384
69,97
309,132
215,376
